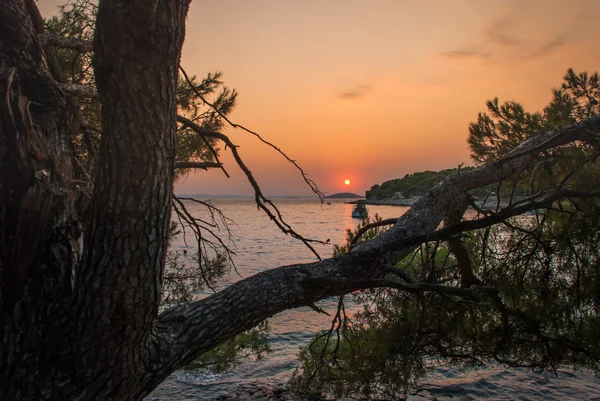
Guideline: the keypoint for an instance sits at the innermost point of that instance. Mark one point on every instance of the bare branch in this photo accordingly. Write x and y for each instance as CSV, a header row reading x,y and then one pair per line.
x,y
362,230
311,183
317,309
66,43
200,165
398,272
550,141
79,90
262,202
460,252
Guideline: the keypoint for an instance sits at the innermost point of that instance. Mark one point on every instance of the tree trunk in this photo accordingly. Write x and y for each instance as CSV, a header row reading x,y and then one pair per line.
x,y
72,326
38,227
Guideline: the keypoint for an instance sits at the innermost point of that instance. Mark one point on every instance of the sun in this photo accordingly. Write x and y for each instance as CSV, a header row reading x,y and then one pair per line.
x,y
347,182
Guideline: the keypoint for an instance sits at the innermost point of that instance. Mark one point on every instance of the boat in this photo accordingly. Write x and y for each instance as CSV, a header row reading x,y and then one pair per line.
x,y
360,211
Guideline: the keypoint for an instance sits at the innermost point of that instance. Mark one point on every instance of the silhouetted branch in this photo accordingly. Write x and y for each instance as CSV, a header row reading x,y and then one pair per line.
x,y
398,272
260,199
311,183
66,43
362,230
200,165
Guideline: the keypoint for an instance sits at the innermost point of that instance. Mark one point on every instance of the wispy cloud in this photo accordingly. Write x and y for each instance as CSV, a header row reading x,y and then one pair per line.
x,y
501,40
356,92
464,54
546,49
500,31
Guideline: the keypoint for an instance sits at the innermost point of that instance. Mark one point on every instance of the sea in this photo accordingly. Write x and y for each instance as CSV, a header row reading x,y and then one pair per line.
x,y
259,245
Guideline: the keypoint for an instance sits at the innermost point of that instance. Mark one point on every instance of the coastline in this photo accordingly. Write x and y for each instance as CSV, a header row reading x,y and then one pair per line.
x,y
385,202
409,201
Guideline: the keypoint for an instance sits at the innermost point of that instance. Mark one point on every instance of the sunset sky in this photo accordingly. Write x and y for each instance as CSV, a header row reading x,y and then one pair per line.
x,y
371,90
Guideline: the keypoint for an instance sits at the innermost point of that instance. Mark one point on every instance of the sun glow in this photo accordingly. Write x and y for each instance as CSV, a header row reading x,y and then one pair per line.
x,y
347,182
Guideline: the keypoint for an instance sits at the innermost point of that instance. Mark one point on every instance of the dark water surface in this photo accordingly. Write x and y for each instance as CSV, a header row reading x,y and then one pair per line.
x,y
259,245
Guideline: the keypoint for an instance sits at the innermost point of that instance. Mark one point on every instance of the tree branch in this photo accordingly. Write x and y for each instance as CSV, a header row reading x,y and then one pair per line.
x,y
186,331
66,43
262,202
311,183
200,165
79,90
362,230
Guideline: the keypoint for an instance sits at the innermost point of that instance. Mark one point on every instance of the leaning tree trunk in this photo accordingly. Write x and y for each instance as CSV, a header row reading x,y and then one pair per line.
x,y
78,326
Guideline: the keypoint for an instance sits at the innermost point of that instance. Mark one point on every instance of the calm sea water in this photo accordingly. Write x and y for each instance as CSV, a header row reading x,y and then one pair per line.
x,y
259,245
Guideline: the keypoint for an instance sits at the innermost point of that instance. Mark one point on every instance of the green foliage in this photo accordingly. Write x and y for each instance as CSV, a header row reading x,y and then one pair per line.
x,y
549,289
380,352
359,362
339,250
548,273
252,343
501,129
190,146
575,100
546,268
182,280
77,20
415,184
505,126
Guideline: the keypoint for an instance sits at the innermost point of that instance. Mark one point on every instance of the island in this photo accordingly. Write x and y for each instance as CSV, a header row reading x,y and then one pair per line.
x,y
409,189
344,195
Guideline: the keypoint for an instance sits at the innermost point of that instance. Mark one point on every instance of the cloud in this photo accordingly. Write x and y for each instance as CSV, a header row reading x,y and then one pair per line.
x,y
546,49
464,54
500,32
358,91
503,40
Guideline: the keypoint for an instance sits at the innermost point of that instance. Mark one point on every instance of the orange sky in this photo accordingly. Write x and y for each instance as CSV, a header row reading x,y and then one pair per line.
x,y
372,90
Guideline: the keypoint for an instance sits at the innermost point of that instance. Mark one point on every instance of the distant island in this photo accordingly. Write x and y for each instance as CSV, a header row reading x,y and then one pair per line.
x,y
344,195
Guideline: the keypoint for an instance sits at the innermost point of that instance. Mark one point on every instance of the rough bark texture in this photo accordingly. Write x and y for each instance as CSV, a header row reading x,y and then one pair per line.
x,y
37,223
87,327
73,330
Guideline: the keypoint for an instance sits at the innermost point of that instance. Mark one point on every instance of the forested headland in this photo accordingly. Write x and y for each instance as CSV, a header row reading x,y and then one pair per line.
x,y
415,184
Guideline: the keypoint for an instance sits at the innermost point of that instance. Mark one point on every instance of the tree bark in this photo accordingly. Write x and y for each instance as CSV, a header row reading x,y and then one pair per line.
x,y
73,330
88,328
38,226
137,49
